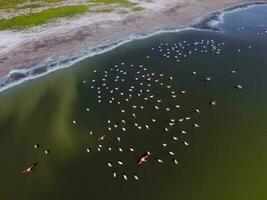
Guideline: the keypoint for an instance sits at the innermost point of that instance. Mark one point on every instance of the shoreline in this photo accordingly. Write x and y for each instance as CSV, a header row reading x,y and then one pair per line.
x,y
10,77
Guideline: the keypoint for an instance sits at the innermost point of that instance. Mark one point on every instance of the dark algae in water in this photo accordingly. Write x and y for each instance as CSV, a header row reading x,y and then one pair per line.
x,y
174,116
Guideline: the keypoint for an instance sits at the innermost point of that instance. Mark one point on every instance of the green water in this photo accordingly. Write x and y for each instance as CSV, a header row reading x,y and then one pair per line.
x,y
227,155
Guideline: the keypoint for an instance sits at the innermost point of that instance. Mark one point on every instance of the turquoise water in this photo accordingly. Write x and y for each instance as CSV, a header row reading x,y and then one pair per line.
x,y
225,157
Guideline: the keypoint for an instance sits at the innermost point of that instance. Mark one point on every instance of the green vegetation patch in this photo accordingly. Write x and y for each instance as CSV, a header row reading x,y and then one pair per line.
x,y
137,8
25,21
7,4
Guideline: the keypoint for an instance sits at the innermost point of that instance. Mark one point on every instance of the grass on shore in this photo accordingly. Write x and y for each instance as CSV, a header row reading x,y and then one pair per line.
x,y
137,9
34,19
12,4
7,4
31,19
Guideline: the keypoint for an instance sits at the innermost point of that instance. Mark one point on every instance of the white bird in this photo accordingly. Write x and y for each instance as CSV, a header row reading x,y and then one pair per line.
x,y
213,102
197,110
131,149
136,177
196,125
120,162
238,86
156,107
125,177
186,143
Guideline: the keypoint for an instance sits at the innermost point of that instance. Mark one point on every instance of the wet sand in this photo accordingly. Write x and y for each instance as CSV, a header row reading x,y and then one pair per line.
x,y
62,39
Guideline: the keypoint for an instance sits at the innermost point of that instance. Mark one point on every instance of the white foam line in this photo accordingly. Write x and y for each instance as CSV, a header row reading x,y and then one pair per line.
x,y
90,53
213,23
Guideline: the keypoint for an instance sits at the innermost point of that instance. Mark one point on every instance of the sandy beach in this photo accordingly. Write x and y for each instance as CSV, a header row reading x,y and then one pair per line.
x,y
27,49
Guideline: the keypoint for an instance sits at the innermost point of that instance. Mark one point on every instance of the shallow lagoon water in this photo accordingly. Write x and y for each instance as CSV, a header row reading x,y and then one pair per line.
x,y
226,158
